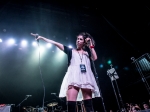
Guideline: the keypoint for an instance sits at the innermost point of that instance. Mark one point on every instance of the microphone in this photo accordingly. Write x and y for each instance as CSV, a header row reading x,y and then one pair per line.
x,y
53,93
28,95
36,36
88,42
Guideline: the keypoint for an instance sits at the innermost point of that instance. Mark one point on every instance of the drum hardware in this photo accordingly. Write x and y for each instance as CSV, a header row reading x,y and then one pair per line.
x,y
52,105
29,109
42,110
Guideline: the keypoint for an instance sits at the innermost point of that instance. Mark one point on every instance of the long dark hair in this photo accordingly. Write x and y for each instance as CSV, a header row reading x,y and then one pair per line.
x,y
87,35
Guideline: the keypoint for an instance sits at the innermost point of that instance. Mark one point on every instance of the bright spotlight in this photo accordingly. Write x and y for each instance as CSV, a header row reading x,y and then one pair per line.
x,y
70,46
11,41
48,45
24,43
41,49
109,62
1,40
34,44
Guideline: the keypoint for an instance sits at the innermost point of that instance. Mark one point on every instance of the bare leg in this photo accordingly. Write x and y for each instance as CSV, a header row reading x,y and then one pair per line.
x,y
71,98
72,93
87,93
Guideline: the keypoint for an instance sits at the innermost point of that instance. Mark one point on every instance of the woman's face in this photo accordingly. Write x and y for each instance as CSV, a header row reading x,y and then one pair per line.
x,y
80,41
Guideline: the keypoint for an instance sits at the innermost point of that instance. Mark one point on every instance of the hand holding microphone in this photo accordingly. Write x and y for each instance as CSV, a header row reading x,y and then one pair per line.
x,y
89,42
36,36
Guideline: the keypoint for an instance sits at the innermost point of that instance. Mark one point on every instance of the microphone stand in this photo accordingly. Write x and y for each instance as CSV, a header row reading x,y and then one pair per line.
x,y
22,102
97,80
113,77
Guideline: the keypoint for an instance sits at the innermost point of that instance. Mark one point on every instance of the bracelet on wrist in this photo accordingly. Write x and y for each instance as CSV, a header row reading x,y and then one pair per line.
x,y
91,46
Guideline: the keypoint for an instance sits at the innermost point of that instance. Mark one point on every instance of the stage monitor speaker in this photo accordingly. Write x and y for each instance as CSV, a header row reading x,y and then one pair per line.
x,y
5,109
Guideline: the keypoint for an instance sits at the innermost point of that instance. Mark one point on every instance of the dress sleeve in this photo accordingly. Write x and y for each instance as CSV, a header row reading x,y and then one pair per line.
x,y
68,51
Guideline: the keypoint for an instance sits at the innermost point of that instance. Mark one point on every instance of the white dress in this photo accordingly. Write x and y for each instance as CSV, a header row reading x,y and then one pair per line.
x,y
75,77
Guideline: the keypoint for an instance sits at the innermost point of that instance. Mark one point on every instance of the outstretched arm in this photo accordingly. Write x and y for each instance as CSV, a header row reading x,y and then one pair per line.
x,y
59,45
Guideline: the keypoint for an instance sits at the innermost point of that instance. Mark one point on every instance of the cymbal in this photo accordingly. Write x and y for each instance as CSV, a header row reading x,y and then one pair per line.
x,y
29,107
52,104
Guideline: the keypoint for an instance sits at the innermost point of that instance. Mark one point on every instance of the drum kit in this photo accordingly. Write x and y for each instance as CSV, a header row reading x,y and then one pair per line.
x,y
51,107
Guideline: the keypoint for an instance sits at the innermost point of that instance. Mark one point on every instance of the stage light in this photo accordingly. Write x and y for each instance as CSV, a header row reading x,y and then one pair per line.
x,y
24,43
38,53
1,40
42,49
101,65
11,41
48,45
109,62
34,44
70,46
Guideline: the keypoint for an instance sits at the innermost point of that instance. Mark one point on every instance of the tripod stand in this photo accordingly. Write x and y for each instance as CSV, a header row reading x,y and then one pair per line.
x,y
113,76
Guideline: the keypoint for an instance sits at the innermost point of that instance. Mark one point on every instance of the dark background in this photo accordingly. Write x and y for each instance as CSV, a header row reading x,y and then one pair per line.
x,y
121,30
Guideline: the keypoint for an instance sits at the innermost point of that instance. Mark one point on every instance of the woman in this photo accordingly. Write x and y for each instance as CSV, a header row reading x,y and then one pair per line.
x,y
79,82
